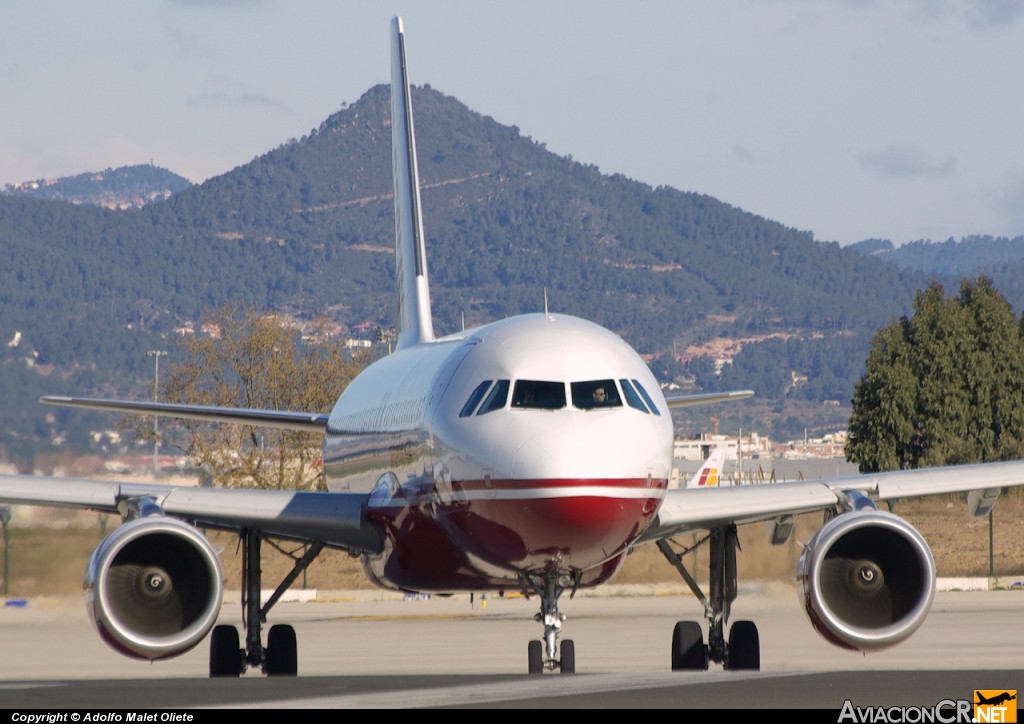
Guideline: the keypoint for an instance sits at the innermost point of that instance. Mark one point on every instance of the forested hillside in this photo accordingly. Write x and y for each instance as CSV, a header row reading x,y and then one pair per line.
x,y
999,258
119,188
307,228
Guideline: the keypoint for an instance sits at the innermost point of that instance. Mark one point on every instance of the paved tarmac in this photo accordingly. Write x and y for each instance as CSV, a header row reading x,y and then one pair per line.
x,y
370,650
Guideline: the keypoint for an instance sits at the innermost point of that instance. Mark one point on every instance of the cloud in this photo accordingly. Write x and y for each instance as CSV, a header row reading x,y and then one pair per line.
x,y
994,13
973,13
744,154
220,4
905,160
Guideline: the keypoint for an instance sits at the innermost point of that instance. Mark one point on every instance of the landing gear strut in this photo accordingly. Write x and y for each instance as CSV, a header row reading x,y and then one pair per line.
x,y
544,655
280,656
743,649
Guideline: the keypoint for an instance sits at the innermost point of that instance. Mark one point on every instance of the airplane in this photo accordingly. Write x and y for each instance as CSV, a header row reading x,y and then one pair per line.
x,y
488,461
996,700
710,473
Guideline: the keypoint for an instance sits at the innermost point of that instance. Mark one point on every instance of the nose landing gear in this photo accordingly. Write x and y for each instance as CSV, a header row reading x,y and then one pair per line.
x,y
549,654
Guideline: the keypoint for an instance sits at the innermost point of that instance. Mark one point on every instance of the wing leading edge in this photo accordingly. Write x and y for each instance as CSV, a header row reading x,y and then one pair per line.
x,y
337,519
707,398
691,509
281,419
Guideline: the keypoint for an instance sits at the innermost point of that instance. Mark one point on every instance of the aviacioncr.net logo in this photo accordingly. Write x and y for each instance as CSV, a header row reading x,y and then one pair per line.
x,y
995,705
947,711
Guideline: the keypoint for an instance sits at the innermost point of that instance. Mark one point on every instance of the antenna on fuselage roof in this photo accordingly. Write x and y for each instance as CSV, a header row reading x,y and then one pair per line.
x,y
546,301
414,320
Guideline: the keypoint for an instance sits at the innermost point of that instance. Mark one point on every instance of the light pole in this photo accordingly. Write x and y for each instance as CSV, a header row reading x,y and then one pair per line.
x,y
156,354
5,518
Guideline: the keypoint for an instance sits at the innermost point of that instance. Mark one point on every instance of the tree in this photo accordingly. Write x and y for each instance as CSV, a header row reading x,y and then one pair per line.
x,y
254,361
943,387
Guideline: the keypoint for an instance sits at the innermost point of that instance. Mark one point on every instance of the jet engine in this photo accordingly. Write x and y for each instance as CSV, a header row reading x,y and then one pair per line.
x,y
154,587
868,580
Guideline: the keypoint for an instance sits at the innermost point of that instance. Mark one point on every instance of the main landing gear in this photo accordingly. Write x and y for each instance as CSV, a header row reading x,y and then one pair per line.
x,y
743,649
548,654
280,656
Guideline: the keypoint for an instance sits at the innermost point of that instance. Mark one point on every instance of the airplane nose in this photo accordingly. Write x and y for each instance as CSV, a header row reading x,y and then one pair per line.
x,y
544,453
582,444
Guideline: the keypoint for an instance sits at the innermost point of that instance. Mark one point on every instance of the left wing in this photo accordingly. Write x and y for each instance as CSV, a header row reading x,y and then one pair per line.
x,y
706,398
866,578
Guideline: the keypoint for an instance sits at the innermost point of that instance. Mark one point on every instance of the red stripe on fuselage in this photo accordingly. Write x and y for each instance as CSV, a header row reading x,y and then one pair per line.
x,y
502,527
610,485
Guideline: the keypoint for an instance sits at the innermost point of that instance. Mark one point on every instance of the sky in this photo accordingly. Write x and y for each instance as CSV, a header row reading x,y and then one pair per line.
x,y
852,119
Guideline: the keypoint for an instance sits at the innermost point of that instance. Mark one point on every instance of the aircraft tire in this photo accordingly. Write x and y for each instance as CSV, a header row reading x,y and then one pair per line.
x,y
744,647
282,651
568,653
688,652
536,656
225,654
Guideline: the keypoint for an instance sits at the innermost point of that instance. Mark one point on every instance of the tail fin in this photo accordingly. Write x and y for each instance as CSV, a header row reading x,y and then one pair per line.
x,y
710,472
414,320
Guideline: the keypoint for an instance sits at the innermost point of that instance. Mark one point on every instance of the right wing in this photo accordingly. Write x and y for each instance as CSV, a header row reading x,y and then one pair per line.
x,y
690,509
336,519
304,421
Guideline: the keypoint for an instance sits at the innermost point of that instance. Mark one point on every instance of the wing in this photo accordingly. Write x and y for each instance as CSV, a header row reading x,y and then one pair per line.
x,y
336,519
707,398
154,586
305,421
690,509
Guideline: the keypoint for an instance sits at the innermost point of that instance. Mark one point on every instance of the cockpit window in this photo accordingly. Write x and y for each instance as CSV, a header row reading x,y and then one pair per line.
x,y
474,399
539,395
647,398
595,394
496,399
632,398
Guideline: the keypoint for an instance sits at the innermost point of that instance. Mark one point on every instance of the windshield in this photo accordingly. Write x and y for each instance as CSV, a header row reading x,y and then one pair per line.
x,y
539,395
595,394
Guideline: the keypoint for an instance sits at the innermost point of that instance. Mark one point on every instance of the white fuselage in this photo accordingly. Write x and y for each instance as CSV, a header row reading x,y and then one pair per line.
x,y
560,458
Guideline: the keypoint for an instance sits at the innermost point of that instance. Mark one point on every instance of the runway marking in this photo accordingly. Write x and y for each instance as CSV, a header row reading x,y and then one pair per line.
x,y
15,686
417,617
526,688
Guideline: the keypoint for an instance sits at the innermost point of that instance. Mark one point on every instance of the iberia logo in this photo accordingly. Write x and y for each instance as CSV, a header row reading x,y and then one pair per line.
x,y
995,705
709,477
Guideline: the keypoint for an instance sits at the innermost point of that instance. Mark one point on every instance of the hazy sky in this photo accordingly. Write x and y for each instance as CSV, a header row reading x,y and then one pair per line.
x,y
851,119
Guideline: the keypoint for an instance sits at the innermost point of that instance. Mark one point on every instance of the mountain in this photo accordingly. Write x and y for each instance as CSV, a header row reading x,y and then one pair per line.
x,y
126,187
307,229
999,258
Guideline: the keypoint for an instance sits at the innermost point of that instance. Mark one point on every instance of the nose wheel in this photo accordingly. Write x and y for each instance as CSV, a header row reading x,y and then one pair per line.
x,y
550,654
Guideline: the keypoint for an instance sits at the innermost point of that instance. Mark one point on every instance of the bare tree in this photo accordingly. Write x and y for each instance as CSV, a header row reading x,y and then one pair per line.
x,y
253,361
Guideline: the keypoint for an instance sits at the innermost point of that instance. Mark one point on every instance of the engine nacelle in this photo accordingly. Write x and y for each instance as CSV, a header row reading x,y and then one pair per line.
x,y
868,580
154,588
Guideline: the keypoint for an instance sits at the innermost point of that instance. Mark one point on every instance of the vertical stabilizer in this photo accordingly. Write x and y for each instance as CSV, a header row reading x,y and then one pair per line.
x,y
711,472
414,322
